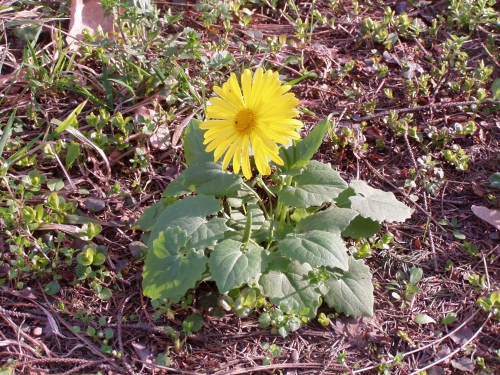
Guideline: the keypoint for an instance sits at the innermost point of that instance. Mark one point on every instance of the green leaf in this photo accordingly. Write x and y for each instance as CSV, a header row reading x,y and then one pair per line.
x,y
72,154
205,233
91,331
89,231
193,323
449,318
361,227
6,131
343,199
318,248
99,258
194,149
204,177
55,184
423,319
299,154
69,121
190,215
377,205
105,294
171,269
351,293
495,178
86,257
149,217
495,89
415,275
292,290
231,267
162,359
331,220
28,33
317,184
52,288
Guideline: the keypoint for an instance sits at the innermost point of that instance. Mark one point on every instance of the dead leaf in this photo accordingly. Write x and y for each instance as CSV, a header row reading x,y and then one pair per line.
x,y
435,370
476,188
463,364
180,128
87,15
373,132
144,354
37,331
461,336
160,139
443,351
94,204
490,216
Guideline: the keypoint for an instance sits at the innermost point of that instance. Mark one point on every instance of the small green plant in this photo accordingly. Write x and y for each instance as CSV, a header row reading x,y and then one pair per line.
x,y
404,288
491,303
457,157
468,14
214,10
273,349
477,282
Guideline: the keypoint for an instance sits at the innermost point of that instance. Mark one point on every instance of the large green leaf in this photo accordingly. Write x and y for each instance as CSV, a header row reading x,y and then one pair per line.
x,y
299,154
149,217
205,233
317,184
194,149
333,220
190,215
352,293
361,227
231,267
204,177
318,248
171,269
292,290
376,204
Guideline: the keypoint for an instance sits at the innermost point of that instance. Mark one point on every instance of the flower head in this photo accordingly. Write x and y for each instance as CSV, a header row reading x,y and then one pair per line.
x,y
251,119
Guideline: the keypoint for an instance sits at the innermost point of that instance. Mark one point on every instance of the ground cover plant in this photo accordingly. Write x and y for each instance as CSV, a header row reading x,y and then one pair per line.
x,y
360,234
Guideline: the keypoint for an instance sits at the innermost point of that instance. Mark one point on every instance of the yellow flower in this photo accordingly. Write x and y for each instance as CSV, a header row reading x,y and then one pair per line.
x,y
249,120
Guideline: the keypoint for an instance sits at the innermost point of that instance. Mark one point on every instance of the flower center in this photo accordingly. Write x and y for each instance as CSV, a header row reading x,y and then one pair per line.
x,y
244,121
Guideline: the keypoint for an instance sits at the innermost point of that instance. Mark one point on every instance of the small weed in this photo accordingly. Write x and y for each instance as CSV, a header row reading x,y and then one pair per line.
x,y
405,288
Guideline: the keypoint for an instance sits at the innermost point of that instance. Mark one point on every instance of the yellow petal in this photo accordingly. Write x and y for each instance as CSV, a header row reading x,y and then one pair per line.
x,y
245,159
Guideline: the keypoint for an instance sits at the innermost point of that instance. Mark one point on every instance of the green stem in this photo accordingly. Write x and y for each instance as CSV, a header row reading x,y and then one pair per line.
x,y
284,209
248,231
262,205
270,237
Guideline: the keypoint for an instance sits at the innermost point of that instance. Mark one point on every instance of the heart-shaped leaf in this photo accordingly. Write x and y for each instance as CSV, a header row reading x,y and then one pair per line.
x,y
190,215
351,293
204,177
331,220
376,204
231,267
292,290
317,184
318,248
171,269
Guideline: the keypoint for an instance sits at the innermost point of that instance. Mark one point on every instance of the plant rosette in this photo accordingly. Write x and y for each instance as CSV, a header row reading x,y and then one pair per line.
x,y
282,235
